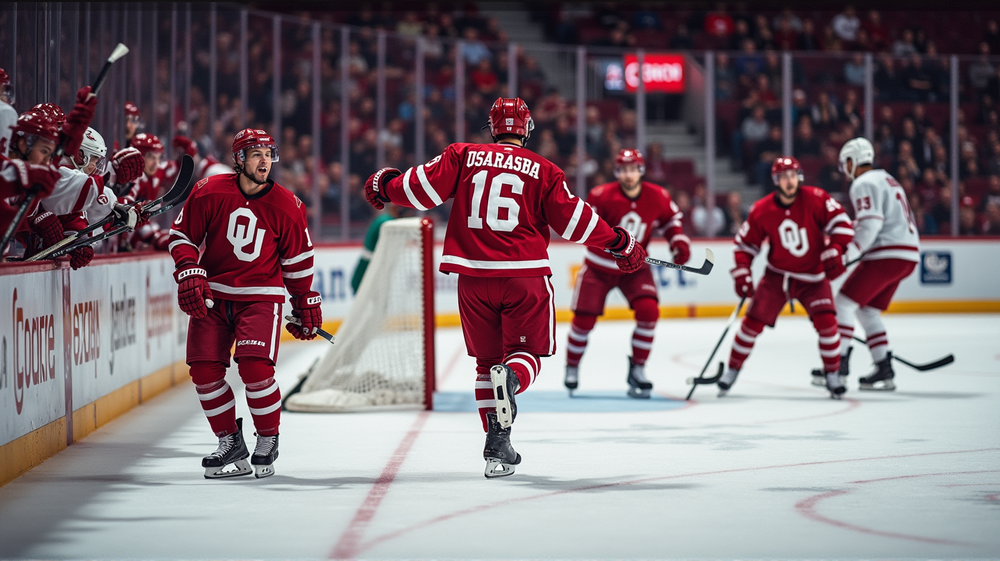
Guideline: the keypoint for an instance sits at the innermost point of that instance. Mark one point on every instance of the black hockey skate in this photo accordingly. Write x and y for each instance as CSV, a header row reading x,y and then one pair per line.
x,y
727,380
881,379
264,455
835,385
638,386
505,385
572,378
499,454
231,450
819,377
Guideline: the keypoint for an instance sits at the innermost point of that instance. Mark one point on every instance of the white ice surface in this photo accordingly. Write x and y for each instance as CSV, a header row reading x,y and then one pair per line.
x,y
773,470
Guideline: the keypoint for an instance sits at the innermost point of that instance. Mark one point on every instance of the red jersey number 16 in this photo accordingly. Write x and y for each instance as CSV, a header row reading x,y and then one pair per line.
x,y
495,202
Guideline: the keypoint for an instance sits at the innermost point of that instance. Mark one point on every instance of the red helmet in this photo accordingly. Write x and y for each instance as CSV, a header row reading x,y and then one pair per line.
x,y
252,138
630,156
146,143
33,125
51,110
785,163
510,115
131,110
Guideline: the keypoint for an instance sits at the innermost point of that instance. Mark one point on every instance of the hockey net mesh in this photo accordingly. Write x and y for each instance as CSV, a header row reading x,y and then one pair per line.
x,y
377,361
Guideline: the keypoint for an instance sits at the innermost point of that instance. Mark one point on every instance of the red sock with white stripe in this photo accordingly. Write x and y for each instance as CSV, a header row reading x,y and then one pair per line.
x,y
576,343
525,365
877,340
217,398
749,329
646,314
262,394
829,340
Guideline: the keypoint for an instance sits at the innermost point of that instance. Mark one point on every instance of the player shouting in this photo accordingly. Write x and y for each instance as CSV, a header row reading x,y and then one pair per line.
x,y
256,245
885,235
506,198
641,208
795,219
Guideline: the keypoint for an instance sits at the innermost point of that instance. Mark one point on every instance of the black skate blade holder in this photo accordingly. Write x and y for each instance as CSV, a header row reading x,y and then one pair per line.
x,y
319,330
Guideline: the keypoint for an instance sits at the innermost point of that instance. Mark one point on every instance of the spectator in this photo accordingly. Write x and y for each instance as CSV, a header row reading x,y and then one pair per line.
x,y
683,200
878,34
846,25
824,112
719,24
656,165
993,160
854,70
904,47
766,152
830,178
992,194
645,18
991,225
918,80
740,34
910,135
807,39
484,79
981,70
565,137
735,215
765,94
764,36
410,25
992,36
849,111
805,142
753,129
788,17
617,38
906,164
940,211
705,224
473,50
682,41
800,107
786,38
748,63
885,141
925,221
968,223
929,187
725,78
887,81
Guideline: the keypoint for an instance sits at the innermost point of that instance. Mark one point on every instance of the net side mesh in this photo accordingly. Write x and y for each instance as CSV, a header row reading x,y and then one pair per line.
x,y
377,361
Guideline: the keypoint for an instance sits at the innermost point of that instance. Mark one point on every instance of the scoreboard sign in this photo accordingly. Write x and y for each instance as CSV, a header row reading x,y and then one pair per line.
x,y
662,73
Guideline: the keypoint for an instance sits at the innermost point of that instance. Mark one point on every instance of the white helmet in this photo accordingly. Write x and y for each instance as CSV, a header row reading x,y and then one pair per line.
x,y
859,151
92,145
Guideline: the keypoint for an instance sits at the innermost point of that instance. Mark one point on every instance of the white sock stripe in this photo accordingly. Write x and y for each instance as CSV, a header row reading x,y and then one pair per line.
x,y
578,349
531,369
745,338
580,337
644,332
221,409
872,346
532,359
829,353
262,393
265,410
831,340
484,385
641,344
741,349
747,332
484,403
214,394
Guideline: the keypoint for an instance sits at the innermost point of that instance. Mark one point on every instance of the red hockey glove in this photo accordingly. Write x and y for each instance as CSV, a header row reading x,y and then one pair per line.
x,y
373,187
680,246
833,261
128,164
186,145
307,309
38,178
81,257
629,255
48,227
78,120
743,280
193,293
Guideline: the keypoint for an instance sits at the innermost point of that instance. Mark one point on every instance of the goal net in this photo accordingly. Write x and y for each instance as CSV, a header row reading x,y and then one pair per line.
x,y
383,357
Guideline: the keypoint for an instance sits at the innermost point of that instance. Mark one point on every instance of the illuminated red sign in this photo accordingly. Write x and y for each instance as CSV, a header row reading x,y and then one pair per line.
x,y
661,73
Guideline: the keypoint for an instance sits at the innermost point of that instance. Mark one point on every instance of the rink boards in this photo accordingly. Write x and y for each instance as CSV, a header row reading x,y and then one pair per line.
x,y
81,347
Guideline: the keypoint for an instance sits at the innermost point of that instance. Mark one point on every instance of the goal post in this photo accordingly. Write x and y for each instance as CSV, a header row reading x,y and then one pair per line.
x,y
383,355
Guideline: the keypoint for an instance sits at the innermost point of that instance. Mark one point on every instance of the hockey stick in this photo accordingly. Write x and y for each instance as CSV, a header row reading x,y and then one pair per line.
x,y
705,268
319,330
119,51
183,178
176,192
700,380
944,361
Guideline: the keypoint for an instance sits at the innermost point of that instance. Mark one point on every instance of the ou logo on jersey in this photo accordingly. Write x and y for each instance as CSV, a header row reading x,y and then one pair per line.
x,y
243,234
793,238
632,223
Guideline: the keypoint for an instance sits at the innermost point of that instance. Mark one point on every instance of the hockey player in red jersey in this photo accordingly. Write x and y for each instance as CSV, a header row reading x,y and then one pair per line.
x,y
795,220
146,188
257,245
505,200
29,169
642,208
886,238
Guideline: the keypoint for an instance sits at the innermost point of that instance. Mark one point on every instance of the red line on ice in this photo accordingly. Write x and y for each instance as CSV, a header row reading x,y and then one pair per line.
x,y
479,508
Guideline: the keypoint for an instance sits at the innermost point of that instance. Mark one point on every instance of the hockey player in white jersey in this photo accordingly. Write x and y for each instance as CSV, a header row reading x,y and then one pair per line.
x,y
886,239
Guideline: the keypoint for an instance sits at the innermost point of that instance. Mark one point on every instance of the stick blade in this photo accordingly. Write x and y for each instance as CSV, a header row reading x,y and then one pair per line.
x,y
120,51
